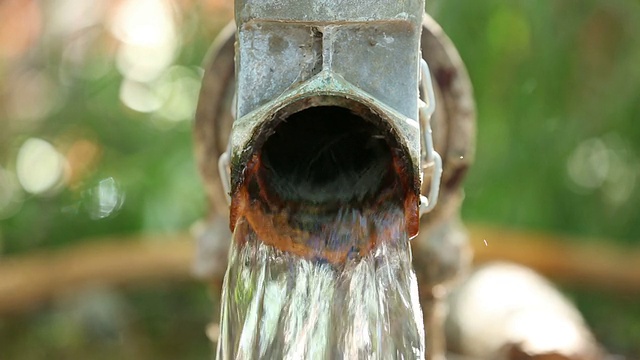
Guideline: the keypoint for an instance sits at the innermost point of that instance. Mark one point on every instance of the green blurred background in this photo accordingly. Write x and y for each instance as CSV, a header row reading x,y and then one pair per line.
x,y
96,112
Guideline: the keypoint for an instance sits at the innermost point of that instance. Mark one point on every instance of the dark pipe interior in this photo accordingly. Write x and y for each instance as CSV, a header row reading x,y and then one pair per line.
x,y
327,155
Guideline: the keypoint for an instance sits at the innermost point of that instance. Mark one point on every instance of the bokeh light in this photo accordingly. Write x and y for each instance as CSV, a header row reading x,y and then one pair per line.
x,y
148,35
604,163
82,156
139,96
20,27
171,98
66,18
588,166
39,167
179,88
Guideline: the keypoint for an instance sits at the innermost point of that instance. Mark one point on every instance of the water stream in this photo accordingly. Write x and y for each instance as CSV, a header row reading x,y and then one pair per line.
x,y
277,305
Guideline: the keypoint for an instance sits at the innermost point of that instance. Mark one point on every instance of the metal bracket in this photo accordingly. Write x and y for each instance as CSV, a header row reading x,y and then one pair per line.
x,y
431,160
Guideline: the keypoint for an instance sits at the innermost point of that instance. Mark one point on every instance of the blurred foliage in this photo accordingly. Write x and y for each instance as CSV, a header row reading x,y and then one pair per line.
x,y
557,86
558,92
96,102
165,322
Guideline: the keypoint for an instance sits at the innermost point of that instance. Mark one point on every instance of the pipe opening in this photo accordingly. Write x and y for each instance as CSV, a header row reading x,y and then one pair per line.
x,y
325,178
327,155
319,213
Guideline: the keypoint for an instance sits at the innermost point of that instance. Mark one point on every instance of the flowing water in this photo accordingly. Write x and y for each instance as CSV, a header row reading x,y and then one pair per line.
x,y
278,305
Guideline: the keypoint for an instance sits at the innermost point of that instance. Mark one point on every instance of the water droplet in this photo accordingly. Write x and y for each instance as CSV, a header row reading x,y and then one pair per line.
x,y
105,199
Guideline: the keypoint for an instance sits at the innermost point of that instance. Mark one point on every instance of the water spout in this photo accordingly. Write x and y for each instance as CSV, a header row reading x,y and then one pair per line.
x,y
324,159
320,263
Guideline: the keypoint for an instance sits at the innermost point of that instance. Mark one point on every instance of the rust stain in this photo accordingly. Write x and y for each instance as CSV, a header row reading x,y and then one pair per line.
x,y
275,230
271,219
411,198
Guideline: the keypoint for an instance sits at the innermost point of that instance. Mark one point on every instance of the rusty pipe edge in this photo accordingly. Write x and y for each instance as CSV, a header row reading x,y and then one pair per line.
x,y
453,122
303,54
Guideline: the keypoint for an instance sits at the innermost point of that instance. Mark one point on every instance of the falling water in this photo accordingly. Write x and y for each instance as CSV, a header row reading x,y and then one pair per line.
x,y
277,305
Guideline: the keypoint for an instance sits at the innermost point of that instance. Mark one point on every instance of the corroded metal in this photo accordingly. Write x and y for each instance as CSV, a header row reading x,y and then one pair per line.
x,y
453,122
308,53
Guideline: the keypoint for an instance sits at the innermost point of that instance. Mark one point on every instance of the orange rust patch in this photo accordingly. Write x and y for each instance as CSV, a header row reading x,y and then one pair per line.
x,y
412,214
270,219
411,200
275,230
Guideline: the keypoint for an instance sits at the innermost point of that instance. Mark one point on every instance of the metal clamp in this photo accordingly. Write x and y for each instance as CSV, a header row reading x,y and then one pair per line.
x,y
431,160
224,162
225,174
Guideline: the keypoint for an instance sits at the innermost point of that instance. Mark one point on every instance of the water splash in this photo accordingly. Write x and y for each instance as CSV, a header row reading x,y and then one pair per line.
x,y
276,305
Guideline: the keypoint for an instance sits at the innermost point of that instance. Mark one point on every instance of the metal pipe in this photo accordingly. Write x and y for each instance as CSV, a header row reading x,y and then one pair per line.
x,y
364,58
